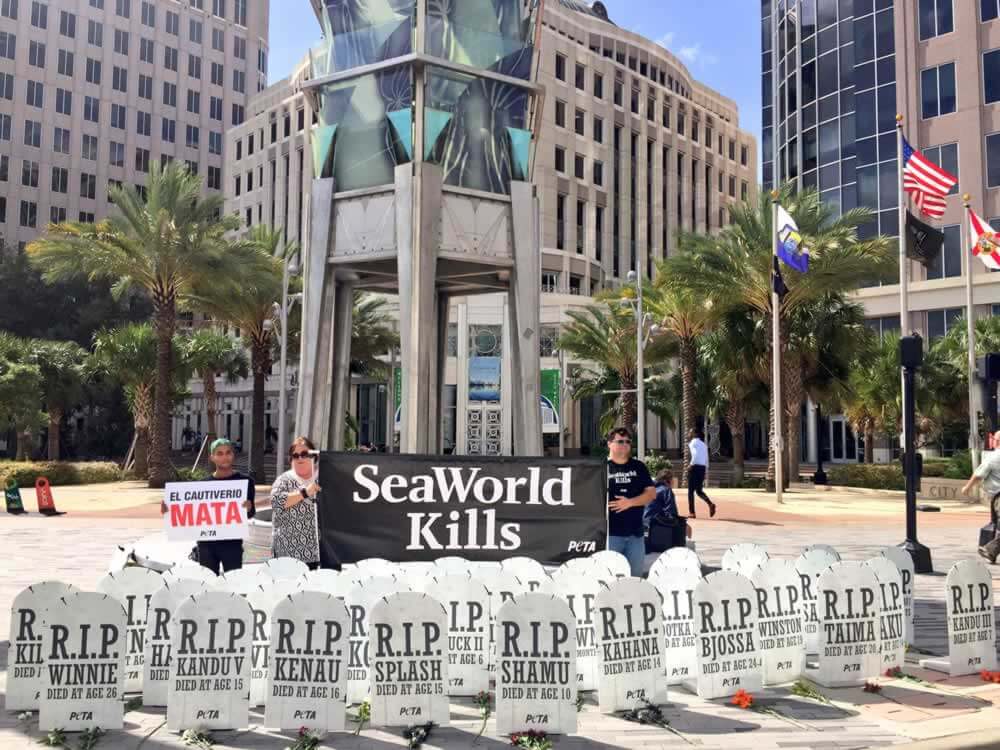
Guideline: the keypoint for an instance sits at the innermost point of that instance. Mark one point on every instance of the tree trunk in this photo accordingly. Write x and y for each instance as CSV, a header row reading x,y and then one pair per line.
x,y
141,456
736,420
208,379
164,322
869,445
55,420
24,443
628,405
261,362
688,407
793,394
142,410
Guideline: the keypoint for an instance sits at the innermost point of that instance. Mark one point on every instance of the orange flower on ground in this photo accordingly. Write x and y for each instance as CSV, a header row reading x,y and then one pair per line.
x,y
743,699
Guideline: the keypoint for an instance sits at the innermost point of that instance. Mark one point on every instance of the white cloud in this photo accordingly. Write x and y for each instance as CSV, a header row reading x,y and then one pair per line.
x,y
666,40
692,54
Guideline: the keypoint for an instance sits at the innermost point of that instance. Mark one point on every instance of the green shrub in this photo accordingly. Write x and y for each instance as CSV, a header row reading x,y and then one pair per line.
x,y
872,476
936,467
959,466
191,475
59,473
657,462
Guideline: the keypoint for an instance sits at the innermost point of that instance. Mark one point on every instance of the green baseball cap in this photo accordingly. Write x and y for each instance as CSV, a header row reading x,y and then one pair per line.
x,y
219,443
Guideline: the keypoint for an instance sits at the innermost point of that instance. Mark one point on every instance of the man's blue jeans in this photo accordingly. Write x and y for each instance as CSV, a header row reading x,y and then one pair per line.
x,y
634,549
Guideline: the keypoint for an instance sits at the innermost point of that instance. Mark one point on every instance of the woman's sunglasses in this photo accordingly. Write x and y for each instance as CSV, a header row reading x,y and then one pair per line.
x,y
621,442
297,456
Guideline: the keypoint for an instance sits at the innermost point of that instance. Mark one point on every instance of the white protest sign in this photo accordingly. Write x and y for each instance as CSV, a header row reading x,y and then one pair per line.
x,y
616,562
536,666
847,604
580,593
205,511
743,558
25,658
971,624
780,634
210,663
133,587
831,551
156,649
193,572
810,565
360,601
327,581
262,600
674,558
630,643
307,674
467,604
906,569
84,648
408,632
725,617
244,580
892,645
676,587
531,572
286,568
503,587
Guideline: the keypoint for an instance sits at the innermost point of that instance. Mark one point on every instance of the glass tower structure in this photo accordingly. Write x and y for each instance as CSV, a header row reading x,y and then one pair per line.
x,y
829,102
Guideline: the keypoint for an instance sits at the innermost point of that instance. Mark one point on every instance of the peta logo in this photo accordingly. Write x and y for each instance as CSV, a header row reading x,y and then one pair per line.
x,y
582,547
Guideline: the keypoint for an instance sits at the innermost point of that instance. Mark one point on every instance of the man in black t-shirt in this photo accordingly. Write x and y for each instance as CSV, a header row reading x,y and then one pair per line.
x,y
630,490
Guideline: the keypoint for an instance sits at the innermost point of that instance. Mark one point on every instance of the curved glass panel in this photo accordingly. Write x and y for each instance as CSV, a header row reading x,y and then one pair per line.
x,y
488,34
472,119
370,138
362,32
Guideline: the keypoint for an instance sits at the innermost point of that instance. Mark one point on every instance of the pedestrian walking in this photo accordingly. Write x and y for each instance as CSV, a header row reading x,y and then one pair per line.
x,y
988,474
630,490
696,472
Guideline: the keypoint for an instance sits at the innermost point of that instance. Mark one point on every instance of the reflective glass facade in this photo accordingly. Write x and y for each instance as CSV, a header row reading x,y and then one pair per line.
x,y
475,126
829,102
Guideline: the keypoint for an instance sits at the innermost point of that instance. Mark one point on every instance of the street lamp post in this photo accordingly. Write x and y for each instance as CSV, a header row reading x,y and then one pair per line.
x,y
286,299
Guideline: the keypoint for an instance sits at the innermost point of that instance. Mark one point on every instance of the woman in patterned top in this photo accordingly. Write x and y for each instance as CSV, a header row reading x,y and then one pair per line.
x,y
293,501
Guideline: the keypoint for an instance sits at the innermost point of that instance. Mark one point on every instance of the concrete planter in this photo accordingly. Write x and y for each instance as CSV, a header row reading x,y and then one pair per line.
x,y
936,488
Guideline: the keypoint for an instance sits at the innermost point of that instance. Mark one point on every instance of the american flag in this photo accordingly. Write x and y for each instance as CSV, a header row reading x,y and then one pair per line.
x,y
926,182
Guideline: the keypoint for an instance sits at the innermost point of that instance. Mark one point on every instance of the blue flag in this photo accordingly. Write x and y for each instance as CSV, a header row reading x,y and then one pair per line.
x,y
791,250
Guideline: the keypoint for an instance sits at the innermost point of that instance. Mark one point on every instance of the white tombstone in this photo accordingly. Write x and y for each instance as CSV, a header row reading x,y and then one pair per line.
x,y
244,580
580,592
376,566
674,558
847,604
614,561
418,577
210,663
531,572
360,601
285,568
630,645
503,587
892,643
156,649
971,625
536,666
133,587
676,588
578,564
193,572
743,558
467,604
307,671
408,635
780,635
452,565
906,569
725,607
84,676
810,566
830,550
262,601
326,581
25,657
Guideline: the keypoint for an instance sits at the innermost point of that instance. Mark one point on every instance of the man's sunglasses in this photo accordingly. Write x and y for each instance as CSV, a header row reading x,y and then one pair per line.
x,y
622,441
304,454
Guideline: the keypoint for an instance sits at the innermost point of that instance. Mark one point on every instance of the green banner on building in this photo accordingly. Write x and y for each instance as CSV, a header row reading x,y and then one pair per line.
x,y
550,387
397,379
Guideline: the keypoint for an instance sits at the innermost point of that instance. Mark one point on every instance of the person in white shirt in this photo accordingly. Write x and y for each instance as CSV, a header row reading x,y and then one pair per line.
x,y
696,472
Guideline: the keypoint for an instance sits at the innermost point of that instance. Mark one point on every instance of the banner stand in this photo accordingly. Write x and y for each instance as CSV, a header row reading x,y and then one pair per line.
x,y
46,502
12,497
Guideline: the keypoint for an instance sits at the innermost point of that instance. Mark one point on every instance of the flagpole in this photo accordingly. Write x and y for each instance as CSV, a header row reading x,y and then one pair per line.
x,y
970,324
904,302
776,357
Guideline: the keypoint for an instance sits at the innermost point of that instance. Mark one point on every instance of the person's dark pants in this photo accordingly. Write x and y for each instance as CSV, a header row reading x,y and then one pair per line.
x,y
992,548
696,486
228,553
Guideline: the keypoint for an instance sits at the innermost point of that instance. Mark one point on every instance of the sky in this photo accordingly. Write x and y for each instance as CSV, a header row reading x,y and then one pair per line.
x,y
718,40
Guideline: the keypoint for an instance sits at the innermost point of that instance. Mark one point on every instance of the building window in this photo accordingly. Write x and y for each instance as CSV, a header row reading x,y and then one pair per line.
x,y
238,115
194,67
169,94
935,18
142,159
8,45
219,8
560,222
598,85
57,214
194,31
144,123
117,154
560,114
7,86
948,263
635,101
89,150
240,12
32,133
884,326
93,71
168,130
170,58
239,81
91,109
95,33
598,232
651,109
173,23
145,87
193,135
60,141
64,102
29,173
744,190
560,67
937,90
214,178
3,210
215,108
581,77
239,48
560,159
149,15
579,167
65,63
67,24
88,185
581,226
598,173
4,127
194,102
121,42
35,94
8,9
29,214
550,281
579,124
666,116
680,123
60,180
123,8
991,76
619,92
119,79
945,157
36,54
218,40
939,322
990,9
218,74
118,116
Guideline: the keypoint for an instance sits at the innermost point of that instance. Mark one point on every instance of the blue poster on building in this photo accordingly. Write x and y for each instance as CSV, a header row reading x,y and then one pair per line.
x,y
484,378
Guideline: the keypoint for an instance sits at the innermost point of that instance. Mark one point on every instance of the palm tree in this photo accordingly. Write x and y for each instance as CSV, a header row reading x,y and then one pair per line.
x,y
733,268
373,334
212,354
20,391
605,334
252,310
162,243
61,366
686,317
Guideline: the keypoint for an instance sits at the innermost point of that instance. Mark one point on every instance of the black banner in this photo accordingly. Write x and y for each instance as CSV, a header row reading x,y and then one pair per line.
x,y
419,508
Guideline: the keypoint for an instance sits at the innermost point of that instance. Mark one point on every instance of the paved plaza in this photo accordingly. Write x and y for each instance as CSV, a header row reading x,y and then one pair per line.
x,y
963,712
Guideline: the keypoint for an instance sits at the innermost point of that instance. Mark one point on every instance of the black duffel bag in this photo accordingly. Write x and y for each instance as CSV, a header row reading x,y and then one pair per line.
x,y
665,532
